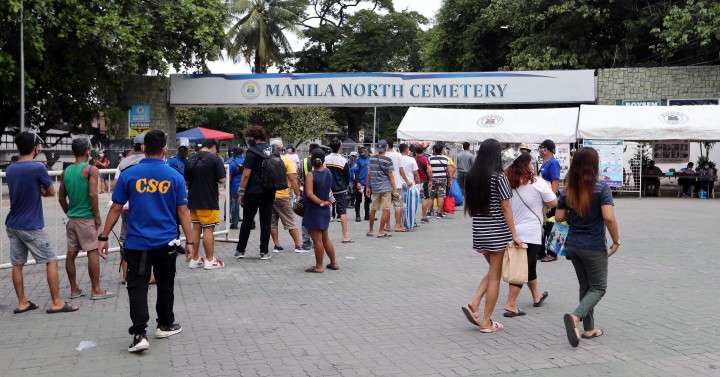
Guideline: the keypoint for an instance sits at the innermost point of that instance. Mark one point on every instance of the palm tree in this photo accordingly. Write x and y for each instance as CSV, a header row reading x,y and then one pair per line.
x,y
257,31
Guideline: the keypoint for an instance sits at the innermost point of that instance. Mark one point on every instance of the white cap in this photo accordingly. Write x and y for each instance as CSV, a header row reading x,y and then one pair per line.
x,y
183,142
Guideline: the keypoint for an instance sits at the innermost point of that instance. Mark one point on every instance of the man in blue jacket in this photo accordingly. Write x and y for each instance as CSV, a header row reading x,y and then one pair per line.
x,y
235,162
359,176
178,162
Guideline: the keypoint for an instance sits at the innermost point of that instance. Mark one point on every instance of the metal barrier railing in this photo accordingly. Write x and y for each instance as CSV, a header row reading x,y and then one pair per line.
x,y
54,216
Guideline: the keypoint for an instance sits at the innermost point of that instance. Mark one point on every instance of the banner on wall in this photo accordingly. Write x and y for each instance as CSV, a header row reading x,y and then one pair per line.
x,y
138,119
611,159
671,151
382,88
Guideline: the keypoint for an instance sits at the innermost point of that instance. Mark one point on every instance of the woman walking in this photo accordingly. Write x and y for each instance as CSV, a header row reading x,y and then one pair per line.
x,y
587,206
317,211
488,202
530,196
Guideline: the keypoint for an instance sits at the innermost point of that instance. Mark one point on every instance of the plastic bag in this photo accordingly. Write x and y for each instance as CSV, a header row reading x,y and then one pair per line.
x,y
456,193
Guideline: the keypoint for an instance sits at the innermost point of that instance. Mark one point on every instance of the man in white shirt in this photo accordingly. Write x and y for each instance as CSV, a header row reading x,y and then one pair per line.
x,y
411,169
292,154
402,182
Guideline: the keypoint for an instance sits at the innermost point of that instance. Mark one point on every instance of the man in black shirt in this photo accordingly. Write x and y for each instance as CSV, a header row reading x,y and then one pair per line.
x,y
252,194
204,170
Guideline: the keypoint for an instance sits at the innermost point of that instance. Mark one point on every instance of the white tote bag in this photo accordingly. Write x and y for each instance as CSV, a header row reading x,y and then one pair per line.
x,y
515,264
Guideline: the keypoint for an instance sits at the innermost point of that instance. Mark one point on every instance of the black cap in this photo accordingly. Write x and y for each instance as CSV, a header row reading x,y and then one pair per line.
x,y
549,145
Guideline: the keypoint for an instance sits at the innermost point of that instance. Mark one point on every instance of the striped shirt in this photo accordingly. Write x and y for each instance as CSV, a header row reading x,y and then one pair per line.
x,y
490,231
381,167
439,165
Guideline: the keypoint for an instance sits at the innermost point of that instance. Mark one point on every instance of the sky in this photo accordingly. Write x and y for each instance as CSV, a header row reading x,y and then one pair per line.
x,y
427,8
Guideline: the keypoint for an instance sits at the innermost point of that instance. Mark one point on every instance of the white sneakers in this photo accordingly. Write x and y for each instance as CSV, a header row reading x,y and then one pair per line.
x,y
208,265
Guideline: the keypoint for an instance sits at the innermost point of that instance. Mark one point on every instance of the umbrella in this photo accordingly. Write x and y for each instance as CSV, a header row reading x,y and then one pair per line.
x,y
198,134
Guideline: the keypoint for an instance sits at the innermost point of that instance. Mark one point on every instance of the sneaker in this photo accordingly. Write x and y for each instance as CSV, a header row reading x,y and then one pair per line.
x,y
253,225
278,249
265,256
358,219
215,263
233,226
367,218
196,263
307,245
166,331
439,215
139,344
239,254
424,220
302,249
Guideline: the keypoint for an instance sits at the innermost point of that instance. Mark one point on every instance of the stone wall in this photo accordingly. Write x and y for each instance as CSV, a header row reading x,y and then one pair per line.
x,y
153,91
657,83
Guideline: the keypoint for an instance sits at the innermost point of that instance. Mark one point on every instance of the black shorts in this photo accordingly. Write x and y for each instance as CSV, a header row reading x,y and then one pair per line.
x,y
425,191
340,203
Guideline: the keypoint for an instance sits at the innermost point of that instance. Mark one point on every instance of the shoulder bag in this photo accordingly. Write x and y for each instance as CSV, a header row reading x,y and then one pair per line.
x,y
299,206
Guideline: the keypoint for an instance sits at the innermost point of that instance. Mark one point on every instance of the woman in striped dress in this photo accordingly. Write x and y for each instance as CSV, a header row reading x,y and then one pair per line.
x,y
487,200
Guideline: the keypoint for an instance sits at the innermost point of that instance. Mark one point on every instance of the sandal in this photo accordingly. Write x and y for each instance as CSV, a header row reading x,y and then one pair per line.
x,y
542,300
65,309
81,294
571,330
596,334
384,235
314,270
348,241
30,307
494,326
470,315
511,314
334,267
369,234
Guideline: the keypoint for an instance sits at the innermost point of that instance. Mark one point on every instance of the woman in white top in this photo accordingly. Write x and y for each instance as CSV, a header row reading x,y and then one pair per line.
x,y
530,195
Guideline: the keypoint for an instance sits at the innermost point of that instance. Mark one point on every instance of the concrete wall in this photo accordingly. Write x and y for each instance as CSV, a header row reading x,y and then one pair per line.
x,y
153,91
658,83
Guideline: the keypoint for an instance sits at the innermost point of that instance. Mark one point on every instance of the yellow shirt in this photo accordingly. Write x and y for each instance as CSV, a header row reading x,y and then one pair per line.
x,y
452,163
291,169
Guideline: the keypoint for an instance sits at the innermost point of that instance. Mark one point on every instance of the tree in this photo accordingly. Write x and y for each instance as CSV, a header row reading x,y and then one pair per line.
x,y
79,54
693,29
360,41
258,30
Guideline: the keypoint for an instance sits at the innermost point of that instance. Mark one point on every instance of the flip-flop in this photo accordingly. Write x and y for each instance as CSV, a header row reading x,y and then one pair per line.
x,y
369,234
511,314
348,241
595,335
107,294
65,309
30,307
385,236
81,294
313,270
401,231
571,330
334,268
468,314
542,300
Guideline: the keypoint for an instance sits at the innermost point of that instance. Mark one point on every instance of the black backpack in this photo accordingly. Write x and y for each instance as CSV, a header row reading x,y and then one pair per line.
x,y
274,175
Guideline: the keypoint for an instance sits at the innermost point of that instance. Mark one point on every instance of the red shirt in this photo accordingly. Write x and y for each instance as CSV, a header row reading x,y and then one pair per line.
x,y
423,163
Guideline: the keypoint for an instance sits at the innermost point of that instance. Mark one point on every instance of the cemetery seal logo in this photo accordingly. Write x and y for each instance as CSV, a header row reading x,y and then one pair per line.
x,y
489,121
673,118
251,89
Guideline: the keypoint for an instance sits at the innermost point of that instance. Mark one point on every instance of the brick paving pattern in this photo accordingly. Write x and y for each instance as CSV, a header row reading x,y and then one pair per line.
x,y
394,310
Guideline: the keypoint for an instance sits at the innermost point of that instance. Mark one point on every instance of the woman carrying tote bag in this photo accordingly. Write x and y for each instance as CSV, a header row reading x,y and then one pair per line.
x,y
530,195
488,202
587,206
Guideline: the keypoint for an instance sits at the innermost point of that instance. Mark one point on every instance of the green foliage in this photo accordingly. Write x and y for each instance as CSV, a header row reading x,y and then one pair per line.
x,y
292,124
693,26
79,54
258,30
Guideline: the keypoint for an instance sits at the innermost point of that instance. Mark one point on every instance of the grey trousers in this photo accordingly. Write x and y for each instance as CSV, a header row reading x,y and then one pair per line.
x,y
591,267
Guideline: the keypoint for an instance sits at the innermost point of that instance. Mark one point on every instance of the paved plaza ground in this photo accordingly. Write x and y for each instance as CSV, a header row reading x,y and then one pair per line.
x,y
394,309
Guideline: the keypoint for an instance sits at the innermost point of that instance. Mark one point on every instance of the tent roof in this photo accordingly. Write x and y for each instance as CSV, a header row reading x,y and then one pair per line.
x,y
649,122
199,134
507,126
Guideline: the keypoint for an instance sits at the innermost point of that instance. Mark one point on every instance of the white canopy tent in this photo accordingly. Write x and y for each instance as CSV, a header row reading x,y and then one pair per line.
x,y
640,123
507,126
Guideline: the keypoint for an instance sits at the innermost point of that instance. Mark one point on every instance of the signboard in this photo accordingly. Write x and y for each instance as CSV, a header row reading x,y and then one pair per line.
x,y
611,160
640,102
139,119
382,89
671,151
693,102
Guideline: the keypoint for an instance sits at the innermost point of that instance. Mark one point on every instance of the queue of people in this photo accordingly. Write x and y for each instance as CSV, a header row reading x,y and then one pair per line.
x,y
507,206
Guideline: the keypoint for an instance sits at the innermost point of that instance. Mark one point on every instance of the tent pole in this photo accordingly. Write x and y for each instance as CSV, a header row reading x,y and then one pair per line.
x,y
22,66
374,126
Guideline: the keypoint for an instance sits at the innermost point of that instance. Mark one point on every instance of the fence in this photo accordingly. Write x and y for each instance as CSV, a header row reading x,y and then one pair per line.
x,y
54,217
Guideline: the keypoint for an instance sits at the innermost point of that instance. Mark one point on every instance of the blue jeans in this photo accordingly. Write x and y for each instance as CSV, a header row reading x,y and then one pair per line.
x,y
234,209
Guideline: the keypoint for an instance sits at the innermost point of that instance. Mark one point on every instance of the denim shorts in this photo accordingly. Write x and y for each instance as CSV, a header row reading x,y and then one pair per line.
x,y
35,241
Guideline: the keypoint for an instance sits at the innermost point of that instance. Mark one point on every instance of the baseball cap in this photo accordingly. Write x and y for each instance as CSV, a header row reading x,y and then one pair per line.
x,y
139,139
524,146
549,145
382,146
277,144
183,142
353,153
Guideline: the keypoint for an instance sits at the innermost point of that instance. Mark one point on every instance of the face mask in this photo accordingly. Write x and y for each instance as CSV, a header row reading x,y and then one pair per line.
x,y
707,166
250,142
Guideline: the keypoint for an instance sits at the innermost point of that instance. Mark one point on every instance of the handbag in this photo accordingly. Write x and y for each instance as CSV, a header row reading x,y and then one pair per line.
x,y
515,264
556,239
449,205
299,206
